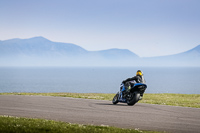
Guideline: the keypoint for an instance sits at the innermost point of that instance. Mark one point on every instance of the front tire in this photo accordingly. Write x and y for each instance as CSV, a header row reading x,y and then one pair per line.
x,y
115,99
133,98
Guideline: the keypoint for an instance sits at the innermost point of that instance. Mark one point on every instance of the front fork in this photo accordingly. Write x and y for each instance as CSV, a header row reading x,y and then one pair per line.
x,y
121,95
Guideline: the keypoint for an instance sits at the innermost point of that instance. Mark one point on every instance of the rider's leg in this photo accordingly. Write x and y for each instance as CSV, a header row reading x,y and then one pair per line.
x,y
128,86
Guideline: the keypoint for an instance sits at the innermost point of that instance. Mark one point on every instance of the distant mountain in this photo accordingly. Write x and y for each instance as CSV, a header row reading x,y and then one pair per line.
x,y
117,53
187,58
39,51
193,53
38,46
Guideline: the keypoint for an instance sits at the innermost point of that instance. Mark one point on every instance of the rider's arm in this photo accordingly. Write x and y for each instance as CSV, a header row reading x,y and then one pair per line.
x,y
130,79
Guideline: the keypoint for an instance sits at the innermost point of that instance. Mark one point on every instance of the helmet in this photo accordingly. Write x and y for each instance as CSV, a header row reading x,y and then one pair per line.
x,y
139,73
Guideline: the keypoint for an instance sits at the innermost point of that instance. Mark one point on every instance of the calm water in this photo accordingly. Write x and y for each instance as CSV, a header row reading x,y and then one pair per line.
x,y
97,80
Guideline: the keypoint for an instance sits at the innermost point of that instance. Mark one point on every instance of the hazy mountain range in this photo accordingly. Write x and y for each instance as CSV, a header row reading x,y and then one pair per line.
x,y
39,51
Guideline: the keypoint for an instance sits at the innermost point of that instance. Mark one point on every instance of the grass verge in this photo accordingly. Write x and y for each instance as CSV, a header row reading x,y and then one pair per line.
x,y
184,100
10,124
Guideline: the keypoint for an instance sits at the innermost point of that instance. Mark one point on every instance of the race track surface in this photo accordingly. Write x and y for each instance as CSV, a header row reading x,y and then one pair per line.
x,y
98,112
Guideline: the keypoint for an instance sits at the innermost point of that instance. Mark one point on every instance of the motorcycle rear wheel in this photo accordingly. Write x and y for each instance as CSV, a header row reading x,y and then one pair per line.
x,y
115,99
133,98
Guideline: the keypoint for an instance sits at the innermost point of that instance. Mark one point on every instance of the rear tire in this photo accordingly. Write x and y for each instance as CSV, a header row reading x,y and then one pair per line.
x,y
115,99
133,98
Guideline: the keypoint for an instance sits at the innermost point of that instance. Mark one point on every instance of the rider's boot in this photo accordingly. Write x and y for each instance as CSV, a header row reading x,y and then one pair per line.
x,y
141,96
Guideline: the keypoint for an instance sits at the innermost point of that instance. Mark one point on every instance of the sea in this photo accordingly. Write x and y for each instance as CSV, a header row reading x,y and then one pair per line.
x,y
181,80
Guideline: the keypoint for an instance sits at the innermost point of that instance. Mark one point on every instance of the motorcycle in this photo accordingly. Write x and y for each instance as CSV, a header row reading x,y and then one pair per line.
x,y
130,96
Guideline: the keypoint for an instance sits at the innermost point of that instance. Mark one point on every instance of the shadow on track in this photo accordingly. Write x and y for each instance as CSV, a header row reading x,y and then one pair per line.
x,y
110,104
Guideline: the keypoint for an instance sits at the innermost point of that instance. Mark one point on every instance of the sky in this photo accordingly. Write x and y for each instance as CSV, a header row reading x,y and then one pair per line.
x,y
146,27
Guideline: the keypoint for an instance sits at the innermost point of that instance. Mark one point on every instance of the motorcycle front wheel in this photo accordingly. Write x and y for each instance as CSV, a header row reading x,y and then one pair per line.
x,y
115,99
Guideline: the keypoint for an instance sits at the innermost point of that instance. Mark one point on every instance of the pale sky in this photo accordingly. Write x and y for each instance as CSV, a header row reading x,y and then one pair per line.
x,y
145,27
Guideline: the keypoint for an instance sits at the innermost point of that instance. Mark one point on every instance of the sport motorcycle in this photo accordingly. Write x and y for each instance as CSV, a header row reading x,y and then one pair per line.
x,y
130,96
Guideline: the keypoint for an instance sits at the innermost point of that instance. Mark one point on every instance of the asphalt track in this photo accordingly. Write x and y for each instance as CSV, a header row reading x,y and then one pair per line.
x,y
98,112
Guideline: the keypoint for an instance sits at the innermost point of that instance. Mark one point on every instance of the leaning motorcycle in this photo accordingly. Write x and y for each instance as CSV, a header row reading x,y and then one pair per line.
x,y
131,96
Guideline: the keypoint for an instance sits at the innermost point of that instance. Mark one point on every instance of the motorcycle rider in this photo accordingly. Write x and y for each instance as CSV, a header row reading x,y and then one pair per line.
x,y
129,83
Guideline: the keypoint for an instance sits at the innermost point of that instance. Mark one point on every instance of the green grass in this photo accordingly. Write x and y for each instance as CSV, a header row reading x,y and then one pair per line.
x,y
10,124
184,100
